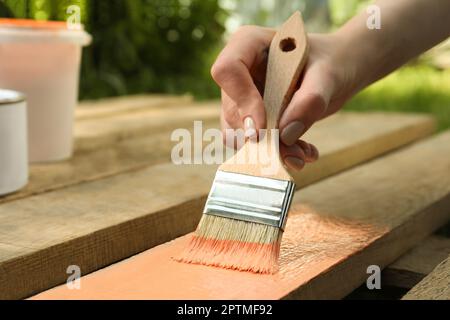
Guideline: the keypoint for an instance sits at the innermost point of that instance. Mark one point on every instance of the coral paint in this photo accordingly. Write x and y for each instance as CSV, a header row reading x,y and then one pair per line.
x,y
33,24
312,244
235,255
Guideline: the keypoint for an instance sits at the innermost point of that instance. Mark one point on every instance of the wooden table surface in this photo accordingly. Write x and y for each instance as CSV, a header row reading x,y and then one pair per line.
x,y
120,196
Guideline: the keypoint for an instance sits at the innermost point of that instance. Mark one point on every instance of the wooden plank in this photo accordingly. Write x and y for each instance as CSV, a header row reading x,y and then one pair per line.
x,y
119,105
344,141
98,133
100,222
436,286
416,264
122,143
338,227
348,139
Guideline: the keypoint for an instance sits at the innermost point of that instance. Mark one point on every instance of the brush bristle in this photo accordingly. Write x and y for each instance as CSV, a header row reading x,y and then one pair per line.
x,y
234,244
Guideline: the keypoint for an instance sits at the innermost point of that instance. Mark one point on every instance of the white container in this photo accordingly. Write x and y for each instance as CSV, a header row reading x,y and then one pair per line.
x,y
42,60
13,142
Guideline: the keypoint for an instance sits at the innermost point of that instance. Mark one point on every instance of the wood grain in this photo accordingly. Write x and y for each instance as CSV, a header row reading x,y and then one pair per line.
x,y
124,156
99,222
369,215
416,264
119,105
120,142
288,55
377,133
98,133
436,286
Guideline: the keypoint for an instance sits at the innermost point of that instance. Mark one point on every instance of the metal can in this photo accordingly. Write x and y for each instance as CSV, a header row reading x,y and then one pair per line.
x,y
13,142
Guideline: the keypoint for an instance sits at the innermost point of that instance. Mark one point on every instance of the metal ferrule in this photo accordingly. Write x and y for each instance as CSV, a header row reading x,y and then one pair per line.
x,y
249,198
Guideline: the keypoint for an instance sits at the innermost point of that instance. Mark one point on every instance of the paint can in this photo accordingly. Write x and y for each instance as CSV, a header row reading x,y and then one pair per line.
x,y
42,60
13,142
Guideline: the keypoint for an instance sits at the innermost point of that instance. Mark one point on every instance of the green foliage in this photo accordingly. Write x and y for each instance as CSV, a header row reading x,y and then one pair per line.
x,y
62,13
40,9
150,45
342,10
411,89
15,8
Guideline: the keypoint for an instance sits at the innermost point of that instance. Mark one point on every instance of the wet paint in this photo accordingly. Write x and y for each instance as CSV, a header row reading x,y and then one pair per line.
x,y
312,244
33,24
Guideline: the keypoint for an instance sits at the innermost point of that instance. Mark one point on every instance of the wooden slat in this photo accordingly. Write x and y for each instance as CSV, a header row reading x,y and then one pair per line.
x,y
416,264
369,215
97,133
436,286
344,140
120,105
109,146
100,222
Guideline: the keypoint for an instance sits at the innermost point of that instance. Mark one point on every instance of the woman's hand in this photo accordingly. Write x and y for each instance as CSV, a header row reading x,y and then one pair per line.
x,y
240,71
339,65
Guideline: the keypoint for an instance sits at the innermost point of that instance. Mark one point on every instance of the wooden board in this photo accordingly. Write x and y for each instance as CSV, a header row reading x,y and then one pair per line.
x,y
98,133
436,286
416,264
107,144
344,140
125,156
127,104
100,222
369,215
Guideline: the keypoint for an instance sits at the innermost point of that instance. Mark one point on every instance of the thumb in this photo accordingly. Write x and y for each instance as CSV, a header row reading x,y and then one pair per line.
x,y
308,105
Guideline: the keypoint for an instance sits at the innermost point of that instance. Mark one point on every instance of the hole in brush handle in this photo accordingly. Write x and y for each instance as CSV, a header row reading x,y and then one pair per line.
x,y
288,45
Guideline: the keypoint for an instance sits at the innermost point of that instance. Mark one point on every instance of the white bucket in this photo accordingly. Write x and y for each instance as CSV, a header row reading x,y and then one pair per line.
x,y
42,60
13,142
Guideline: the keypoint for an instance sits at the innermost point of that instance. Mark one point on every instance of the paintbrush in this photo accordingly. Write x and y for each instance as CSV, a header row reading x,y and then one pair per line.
x,y
246,211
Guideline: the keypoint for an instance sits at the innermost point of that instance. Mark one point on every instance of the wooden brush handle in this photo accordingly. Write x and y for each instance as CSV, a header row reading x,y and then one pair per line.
x,y
287,58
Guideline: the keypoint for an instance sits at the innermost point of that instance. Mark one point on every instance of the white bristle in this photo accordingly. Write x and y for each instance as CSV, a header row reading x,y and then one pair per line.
x,y
234,244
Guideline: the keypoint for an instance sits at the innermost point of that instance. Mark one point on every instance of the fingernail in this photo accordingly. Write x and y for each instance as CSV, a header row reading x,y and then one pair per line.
x,y
292,132
308,151
295,163
249,128
314,152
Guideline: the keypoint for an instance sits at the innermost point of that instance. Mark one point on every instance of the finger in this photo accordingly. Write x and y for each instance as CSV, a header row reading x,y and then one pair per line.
x,y
315,153
308,105
310,151
299,154
230,113
293,156
230,122
232,72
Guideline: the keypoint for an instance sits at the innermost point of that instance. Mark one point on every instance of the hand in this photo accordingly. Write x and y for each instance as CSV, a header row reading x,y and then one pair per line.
x,y
240,71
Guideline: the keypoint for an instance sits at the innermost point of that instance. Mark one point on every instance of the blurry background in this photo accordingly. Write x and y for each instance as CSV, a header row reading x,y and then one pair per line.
x,y
168,46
